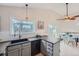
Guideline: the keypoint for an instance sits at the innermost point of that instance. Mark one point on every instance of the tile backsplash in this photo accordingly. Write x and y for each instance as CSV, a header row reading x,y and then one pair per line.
x,y
4,35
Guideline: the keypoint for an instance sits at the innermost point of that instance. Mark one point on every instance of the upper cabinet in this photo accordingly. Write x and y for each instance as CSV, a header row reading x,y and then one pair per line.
x,y
23,27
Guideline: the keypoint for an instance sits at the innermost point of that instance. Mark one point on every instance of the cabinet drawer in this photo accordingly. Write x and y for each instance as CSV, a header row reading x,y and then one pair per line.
x,y
49,44
26,44
26,47
49,49
9,48
13,53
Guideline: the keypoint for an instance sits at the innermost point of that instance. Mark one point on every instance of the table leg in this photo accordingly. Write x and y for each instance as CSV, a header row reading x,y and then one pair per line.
x,y
76,40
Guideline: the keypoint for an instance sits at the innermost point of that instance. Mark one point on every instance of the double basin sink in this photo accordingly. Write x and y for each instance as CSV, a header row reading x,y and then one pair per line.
x,y
19,40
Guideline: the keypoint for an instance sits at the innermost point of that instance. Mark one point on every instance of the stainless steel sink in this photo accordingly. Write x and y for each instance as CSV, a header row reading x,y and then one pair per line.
x,y
19,40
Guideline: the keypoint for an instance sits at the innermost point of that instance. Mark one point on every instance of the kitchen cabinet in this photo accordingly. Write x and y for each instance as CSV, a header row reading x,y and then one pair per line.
x,y
23,49
35,47
26,50
53,49
56,49
13,50
14,53
50,49
46,48
43,47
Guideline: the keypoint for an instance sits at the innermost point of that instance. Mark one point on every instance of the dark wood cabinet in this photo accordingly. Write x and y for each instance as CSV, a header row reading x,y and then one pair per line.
x,y
35,47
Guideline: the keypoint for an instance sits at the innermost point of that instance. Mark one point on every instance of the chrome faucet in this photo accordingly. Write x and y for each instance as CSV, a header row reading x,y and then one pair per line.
x,y
19,33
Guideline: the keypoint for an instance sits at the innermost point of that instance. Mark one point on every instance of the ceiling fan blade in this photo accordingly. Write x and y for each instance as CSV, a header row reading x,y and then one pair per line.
x,y
60,19
76,16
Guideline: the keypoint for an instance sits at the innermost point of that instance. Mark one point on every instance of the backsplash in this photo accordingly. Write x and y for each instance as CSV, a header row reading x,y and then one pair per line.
x,y
5,35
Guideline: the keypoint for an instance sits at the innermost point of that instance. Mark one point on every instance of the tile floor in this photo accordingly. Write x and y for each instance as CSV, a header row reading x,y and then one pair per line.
x,y
40,54
68,50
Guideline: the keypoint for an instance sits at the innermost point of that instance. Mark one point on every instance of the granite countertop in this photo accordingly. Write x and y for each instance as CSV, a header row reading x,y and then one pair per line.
x,y
54,41
29,39
4,41
32,39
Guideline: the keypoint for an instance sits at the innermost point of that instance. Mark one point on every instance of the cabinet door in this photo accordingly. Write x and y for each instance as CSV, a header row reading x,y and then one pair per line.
x,y
14,53
44,47
38,45
35,47
56,49
10,48
49,49
26,49
13,50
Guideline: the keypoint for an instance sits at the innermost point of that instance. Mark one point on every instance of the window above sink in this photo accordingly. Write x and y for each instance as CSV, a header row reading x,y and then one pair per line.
x,y
22,27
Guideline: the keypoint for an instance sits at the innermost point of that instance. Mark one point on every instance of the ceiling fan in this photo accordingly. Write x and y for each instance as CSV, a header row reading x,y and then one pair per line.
x,y
67,17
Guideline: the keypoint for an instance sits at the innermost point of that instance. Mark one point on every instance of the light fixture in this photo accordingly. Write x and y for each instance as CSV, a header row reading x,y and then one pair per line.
x,y
67,17
26,11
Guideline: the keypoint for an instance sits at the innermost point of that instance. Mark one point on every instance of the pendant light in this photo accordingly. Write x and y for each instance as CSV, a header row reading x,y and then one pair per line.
x,y
26,11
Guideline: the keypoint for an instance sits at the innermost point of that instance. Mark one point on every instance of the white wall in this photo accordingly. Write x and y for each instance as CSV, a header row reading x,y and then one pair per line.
x,y
35,14
7,12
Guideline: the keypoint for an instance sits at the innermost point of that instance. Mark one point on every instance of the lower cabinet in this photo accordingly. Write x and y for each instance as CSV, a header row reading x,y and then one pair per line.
x,y
26,50
13,53
56,49
35,47
43,47
13,50
50,49
19,50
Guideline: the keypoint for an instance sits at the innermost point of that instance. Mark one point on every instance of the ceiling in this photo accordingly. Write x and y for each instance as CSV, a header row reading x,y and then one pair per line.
x,y
57,7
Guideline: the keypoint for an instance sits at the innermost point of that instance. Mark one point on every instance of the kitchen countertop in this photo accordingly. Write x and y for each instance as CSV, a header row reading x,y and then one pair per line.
x,y
55,41
29,39
32,39
4,41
